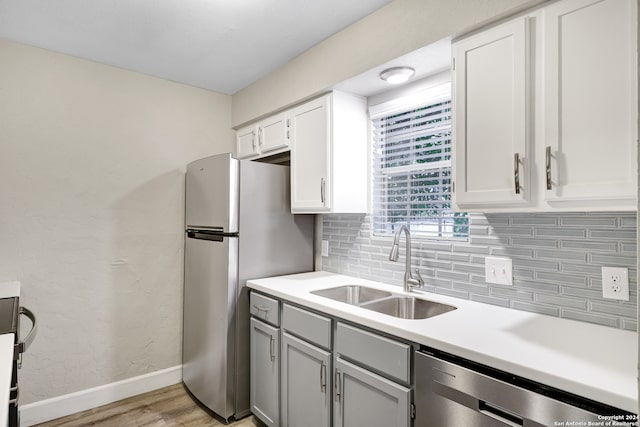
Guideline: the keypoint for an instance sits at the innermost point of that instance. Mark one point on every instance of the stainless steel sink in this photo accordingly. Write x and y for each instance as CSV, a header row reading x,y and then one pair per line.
x,y
385,302
408,307
352,294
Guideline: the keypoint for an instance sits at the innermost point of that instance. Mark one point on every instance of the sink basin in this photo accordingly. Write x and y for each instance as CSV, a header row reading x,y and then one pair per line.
x,y
352,294
385,302
408,307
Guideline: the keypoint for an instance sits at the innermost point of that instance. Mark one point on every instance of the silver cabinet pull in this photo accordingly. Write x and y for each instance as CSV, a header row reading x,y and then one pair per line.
x,y
272,349
253,139
548,166
516,172
260,142
261,307
323,377
322,185
337,385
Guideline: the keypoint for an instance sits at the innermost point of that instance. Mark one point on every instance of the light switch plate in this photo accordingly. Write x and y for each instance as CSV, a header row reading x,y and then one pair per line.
x,y
615,283
498,270
325,248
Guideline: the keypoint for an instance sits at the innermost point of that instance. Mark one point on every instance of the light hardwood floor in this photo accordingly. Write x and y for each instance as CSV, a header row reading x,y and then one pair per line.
x,y
167,407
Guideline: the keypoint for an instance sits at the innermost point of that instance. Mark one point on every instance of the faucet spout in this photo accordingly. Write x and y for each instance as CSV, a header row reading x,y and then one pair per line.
x,y
409,281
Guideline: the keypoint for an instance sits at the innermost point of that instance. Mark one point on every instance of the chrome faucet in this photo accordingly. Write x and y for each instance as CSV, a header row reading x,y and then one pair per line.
x,y
409,281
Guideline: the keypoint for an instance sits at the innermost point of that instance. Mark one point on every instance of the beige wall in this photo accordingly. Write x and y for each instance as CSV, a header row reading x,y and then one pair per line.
x,y
92,165
394,30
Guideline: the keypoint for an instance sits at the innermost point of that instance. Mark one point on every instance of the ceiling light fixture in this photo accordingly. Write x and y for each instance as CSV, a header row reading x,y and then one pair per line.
x,y
397,75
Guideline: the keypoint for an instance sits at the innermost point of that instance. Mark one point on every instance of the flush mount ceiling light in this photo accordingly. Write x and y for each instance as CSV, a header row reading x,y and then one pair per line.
x,y
397,75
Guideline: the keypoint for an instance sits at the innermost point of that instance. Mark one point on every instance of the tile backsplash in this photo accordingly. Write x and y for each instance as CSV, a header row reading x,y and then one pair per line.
x,y
557,260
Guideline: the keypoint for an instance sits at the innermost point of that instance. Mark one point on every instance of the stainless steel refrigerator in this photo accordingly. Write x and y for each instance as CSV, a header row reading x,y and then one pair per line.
x,y
238,227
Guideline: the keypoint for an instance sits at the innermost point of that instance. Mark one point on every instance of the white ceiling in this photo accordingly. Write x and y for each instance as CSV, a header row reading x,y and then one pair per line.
x,y
221,45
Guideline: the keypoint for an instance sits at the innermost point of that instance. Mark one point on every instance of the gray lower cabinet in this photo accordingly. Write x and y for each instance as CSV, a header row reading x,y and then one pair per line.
x,y
265,372
364,399
306,385
309,370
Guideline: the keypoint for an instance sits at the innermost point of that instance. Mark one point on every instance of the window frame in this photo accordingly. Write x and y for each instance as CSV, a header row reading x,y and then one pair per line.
x,y
413,100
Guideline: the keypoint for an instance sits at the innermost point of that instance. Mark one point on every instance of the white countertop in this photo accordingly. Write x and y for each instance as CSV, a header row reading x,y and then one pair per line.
x,y
596,362
6,364
7,290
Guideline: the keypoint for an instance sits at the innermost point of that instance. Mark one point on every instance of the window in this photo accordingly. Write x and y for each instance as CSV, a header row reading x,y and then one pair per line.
x,y
412,167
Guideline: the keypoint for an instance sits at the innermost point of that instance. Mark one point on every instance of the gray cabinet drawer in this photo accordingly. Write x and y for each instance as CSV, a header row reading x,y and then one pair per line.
x,y
265,308
309,326
374,351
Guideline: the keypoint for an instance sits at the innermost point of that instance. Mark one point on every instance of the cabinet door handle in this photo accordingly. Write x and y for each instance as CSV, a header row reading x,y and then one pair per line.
x,y
272,348
323,377
261,307
322,186
548,166
260,137
516,172
337,386
253,139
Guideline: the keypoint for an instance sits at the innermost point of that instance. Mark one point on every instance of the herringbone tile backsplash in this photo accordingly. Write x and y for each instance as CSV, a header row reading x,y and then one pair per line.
x,y
557,260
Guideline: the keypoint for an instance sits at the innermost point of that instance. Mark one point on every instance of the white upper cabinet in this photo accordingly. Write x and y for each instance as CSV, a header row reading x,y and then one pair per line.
x,y
246,142
329,155
590,102
327,138
272,133
264,138
310,157
545,111
490,116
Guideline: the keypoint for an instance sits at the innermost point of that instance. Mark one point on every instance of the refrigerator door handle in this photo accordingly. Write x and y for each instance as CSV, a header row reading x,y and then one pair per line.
x,y
215,236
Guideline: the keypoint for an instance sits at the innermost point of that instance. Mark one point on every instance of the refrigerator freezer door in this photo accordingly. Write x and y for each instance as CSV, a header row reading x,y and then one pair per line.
x,y
212,193
208,354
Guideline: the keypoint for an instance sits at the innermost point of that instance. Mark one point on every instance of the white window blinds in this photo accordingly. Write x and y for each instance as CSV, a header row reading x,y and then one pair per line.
x,y
412,170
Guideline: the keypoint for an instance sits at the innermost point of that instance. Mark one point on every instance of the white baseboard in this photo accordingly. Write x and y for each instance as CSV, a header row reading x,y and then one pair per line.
x,y
56,407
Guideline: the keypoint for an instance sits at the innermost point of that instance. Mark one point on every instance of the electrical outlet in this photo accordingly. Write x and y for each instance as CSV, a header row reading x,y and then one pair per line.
x,y
498,270
615,283
325,248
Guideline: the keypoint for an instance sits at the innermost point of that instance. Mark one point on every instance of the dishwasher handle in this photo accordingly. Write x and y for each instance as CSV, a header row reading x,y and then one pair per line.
x,y
504,416
499,414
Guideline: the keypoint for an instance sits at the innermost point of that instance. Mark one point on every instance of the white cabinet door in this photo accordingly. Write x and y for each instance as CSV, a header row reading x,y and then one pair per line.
x,y
246,144
265,372
272,133
590,102
363,398
491,97
306,384
310,156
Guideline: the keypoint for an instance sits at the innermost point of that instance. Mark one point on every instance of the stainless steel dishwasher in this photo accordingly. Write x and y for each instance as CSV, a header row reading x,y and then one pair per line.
x,y
455,392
